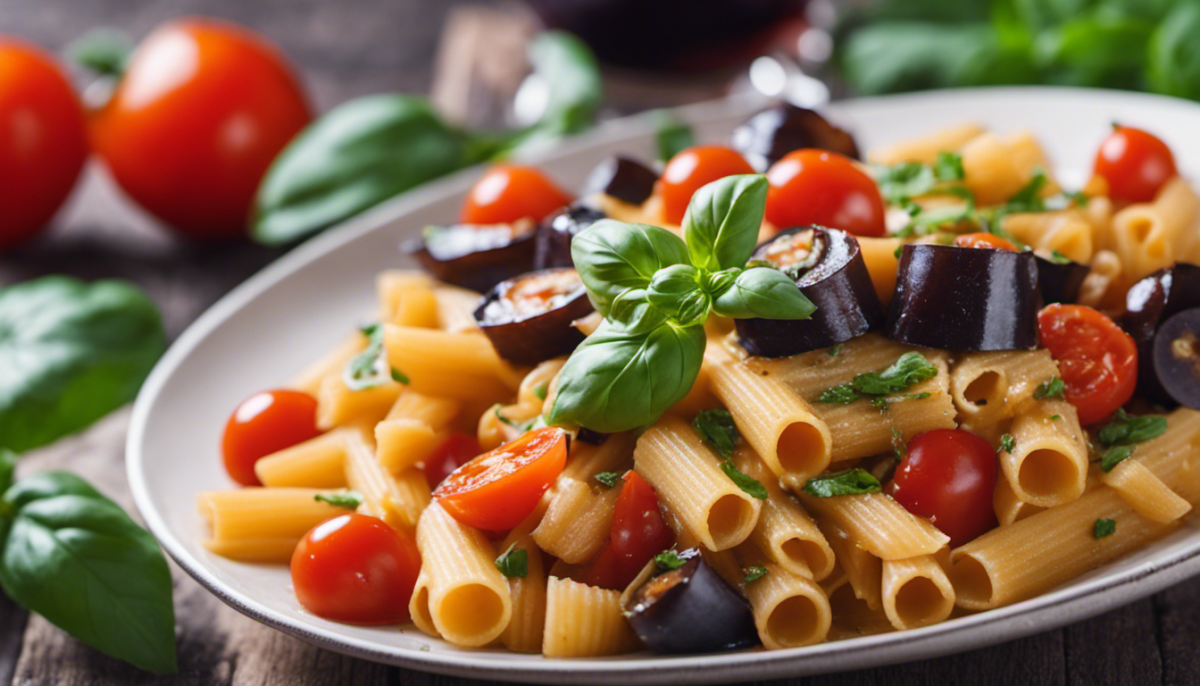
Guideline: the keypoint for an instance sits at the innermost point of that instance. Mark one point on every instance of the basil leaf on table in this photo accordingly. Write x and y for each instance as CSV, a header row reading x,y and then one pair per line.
x,y
571,76
8,465
1094,51
671,135
766,293
676,292
70,353
612,257
722,221
616,380
354,157
76,558
1174,53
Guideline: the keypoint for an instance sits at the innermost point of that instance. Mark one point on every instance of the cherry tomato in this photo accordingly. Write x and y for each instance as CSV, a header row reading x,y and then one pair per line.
x,y
43,140
638,533
508,193
1135,163
984,240
198,116
1098,361
265,423
824,188
457,450
497,490
948,476
355,568
690,169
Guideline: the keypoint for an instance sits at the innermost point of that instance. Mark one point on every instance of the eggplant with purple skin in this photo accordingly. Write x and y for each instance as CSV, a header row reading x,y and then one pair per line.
x,y
691,609
1177,357
1060,281
828,268
1149,303
475,257
626,180
774,132
965,299
553,242
528,318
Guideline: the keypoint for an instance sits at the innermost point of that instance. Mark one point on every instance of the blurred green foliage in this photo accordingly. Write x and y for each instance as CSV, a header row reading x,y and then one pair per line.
x,y
903,45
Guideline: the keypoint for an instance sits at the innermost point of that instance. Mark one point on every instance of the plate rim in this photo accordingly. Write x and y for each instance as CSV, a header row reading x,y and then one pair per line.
x,y
1044,613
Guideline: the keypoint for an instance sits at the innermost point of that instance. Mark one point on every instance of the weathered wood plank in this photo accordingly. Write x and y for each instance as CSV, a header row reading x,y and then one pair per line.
x,y
1115,648
1178,630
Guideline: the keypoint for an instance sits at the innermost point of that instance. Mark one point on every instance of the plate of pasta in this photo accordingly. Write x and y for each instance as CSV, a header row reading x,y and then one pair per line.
x,y
817,391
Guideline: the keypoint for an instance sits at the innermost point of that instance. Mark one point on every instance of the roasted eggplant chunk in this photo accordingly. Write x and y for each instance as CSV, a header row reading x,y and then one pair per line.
x,y
622,178
691,610
828,268
475,257
553,242
528,318
1059,282
774,132
965,299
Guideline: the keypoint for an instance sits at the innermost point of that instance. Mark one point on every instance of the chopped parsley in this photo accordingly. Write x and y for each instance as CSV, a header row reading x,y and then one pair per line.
x,y
669,560
369,368
911,368
716,428
753,573
1058,258
751,486
898,445
539,391
1052,388
1115,456
835,350
347,499
854,481
400,377
1007,443
1104,527
1127,430
514,563
609,479
949,167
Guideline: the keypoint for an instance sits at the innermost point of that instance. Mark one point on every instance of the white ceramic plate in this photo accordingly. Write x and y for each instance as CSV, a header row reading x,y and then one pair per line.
x,y
268,328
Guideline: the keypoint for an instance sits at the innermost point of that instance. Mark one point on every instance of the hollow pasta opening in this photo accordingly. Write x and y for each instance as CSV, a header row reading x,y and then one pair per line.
x,y
470,612
1046,473
986,389
795,622
802,449
729,521
919,602
972,583
1141,229
419,607
808,552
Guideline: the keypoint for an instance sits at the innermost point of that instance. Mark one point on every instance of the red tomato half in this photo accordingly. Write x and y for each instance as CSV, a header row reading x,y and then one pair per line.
x,y
949,476
690,169
1135,163
356,569
508,193
497,490
265,423
823,188
1098,361
200,113
43,140
457,450
638,533
984,240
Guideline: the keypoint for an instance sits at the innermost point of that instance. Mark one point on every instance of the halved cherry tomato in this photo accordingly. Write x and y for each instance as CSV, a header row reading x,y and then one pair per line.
x,y
1135,163
43,140
1098,361
265,423
497,490
199,114
690,169
638,533
823,188
508,193
984,240
355,568
948,476
457,450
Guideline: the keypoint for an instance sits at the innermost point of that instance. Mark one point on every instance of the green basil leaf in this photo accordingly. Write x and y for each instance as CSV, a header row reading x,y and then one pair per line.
x,y
514,563
903,181
911,368
634,313
722,221
764,293
1007,443
1174,55
753,574
949,167
853,481
671,135
1028,197
1115,456
1095,51
1104,527
617,380
347,499
354,157
70,353
613,257
1053,387
751,486
369,368
8,465
717,283
572,79
716,428
609,479
843,394
74,557
669,560
676,292
1125,429
103,50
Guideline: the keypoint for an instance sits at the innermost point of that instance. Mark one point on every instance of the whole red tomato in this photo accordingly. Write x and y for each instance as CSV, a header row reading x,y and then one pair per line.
x,y
43,140
198,116
949,475
1135,163
266,423
824,188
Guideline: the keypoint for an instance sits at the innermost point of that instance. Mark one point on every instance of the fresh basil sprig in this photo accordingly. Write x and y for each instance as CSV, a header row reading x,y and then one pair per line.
x,y
655,291
1126,429
854,481
74,557
909,369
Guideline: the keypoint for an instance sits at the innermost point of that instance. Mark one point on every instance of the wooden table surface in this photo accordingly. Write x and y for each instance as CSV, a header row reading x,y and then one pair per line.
x,y
345,49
